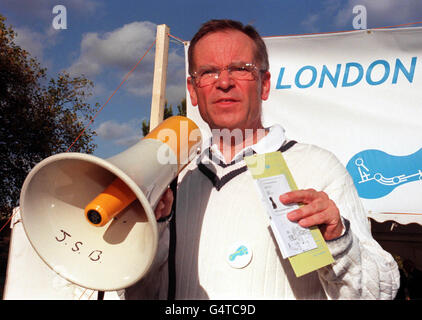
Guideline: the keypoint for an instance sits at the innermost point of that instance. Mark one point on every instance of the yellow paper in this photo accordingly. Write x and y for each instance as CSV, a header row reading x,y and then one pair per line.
x,y
272,164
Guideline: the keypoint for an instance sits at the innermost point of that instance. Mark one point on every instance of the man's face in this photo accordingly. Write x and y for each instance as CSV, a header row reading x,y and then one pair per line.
x,y
229,103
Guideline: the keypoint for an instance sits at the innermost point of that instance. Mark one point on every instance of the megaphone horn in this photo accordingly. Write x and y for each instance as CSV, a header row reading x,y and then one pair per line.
x,y
92,220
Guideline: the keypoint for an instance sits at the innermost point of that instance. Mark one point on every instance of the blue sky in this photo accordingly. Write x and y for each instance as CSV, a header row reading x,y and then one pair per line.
x,y
104,39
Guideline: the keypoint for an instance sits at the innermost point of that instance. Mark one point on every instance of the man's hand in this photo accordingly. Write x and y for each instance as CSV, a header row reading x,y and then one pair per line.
x,y
317,210
163,207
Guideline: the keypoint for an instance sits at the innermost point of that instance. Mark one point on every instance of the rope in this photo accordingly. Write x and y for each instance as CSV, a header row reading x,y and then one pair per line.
x,y
400,25
176,38
83,292
7,222
93,291
124,80
96,114
344,31
315,33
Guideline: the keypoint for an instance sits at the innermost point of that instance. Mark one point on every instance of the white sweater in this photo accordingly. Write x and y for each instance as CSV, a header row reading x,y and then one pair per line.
x,y
209,220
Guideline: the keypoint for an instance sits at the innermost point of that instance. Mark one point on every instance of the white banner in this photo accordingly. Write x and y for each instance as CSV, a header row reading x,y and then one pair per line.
x,y
359,95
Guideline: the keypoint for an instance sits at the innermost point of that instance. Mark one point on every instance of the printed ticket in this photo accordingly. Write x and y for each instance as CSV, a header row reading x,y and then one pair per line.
x,y
304,247
291,237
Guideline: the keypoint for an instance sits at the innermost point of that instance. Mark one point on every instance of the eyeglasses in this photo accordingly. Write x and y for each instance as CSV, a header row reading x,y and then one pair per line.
x,y
206,76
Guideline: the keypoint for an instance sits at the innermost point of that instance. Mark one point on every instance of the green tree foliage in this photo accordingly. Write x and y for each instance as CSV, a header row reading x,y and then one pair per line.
x,y
38,117
168,112
181,108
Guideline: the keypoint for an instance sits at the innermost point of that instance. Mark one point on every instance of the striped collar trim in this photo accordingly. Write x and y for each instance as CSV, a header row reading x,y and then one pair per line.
x,y
216,176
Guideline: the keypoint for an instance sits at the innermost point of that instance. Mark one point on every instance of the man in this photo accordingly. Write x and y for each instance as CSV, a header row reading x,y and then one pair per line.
x,y
218,208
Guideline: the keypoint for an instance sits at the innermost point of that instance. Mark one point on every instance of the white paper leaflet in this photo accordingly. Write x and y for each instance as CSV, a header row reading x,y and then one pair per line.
x,y
291,237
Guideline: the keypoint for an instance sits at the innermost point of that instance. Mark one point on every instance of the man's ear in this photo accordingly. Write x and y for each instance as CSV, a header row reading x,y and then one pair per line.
x,y
192,92
265,85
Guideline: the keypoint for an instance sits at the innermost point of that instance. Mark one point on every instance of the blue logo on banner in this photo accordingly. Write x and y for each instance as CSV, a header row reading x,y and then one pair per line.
x,y
376,173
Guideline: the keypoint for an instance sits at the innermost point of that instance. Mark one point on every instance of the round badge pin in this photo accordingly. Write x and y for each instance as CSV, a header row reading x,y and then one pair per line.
x,y
239,255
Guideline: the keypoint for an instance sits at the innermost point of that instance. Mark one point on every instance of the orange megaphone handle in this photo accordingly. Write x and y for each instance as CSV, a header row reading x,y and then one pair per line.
x,y
109,203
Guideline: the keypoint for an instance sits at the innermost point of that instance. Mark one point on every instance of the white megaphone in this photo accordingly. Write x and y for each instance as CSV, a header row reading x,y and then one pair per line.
x,y
92,220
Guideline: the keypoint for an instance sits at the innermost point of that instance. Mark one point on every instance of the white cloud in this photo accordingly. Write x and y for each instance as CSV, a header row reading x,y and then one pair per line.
x,y
315,20
311,23
174,94
176,68
119,50
36,42
31,41
128,141
112,130
123,134
379,13
140,83
33,21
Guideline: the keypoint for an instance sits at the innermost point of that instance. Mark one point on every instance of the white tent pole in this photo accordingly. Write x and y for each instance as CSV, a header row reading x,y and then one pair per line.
x,y
160,76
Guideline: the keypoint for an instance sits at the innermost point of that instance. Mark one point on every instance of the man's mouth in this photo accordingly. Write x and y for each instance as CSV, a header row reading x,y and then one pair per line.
x,y
226,101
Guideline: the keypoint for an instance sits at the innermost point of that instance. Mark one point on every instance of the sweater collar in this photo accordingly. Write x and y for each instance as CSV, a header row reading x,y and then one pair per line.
x,y
269,143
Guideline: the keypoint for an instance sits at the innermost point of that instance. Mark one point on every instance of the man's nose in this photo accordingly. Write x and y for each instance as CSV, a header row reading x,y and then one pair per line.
x,y
224,80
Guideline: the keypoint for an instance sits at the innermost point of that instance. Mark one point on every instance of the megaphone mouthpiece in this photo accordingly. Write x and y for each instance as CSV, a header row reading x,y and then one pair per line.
x,y
94,217
109,203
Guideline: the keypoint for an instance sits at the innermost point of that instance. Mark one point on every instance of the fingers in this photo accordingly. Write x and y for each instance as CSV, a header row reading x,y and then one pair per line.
x,y
302,196
315,202
317,210
307,212
312,220
159,209
163,207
